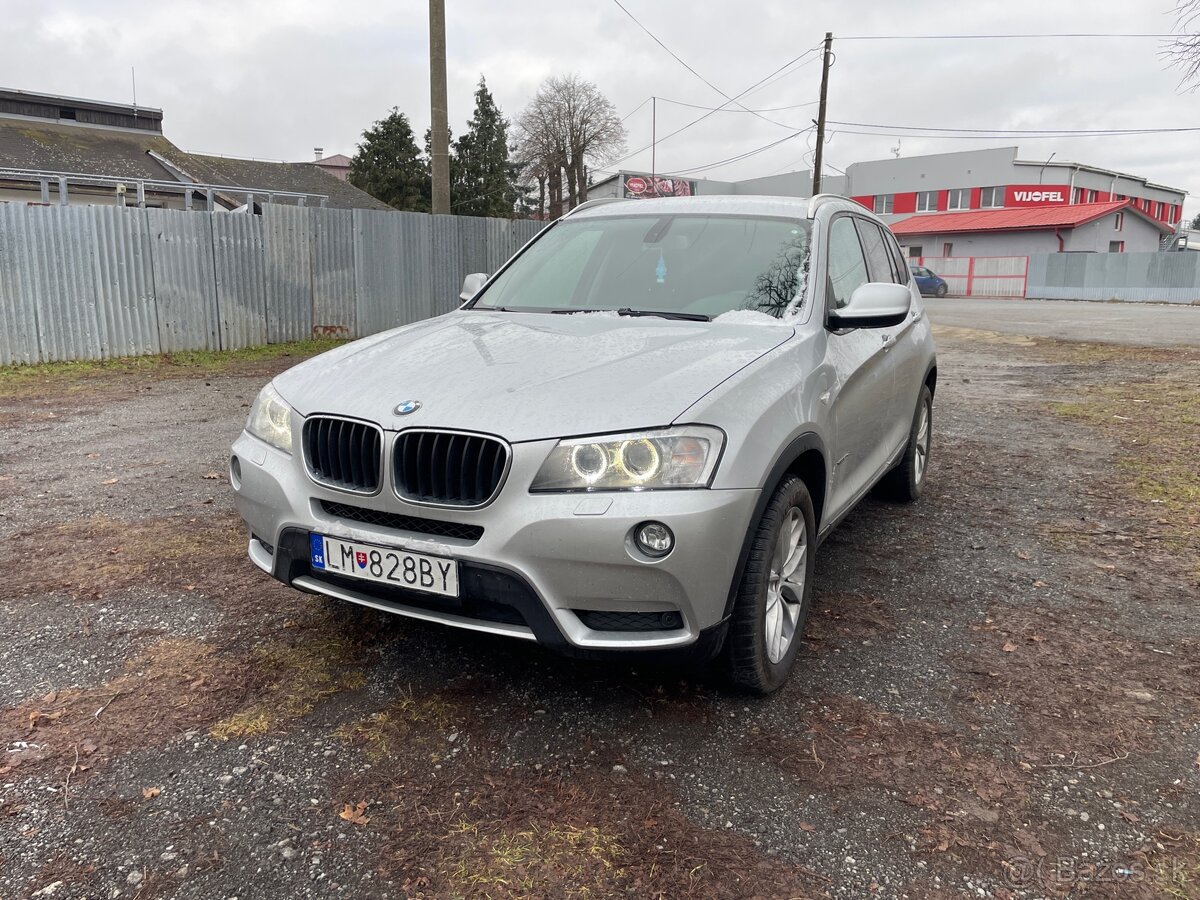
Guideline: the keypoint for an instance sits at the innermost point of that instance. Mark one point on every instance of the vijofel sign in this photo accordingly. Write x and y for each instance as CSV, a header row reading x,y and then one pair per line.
x,y
1036,194
643,186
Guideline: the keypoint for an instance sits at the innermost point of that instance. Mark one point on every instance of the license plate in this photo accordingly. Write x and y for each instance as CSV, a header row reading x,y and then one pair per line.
x,y
385,565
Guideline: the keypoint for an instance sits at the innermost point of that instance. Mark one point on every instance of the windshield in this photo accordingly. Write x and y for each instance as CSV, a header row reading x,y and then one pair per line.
x,y
696,265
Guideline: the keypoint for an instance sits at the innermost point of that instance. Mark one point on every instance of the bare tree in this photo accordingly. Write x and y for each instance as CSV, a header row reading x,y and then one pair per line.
x,y
568,125
1184,50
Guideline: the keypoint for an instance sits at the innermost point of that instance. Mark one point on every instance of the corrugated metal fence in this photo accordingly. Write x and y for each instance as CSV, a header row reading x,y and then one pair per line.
x,y
92,282
1161,277
1148,277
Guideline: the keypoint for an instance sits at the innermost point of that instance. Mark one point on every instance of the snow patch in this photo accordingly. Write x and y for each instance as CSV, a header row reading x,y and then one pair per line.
x,y
749,317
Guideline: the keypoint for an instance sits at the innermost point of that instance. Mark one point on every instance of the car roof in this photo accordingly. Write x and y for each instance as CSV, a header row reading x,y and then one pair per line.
x,y
720,204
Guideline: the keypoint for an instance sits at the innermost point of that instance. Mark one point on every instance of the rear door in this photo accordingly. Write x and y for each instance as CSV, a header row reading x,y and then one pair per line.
x,y
909,356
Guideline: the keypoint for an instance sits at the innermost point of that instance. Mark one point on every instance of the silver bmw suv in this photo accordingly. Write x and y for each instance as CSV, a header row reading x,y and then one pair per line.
x,y
633,437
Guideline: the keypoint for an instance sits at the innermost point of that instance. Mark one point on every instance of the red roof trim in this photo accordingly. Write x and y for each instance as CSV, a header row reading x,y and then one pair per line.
x,y
1019,219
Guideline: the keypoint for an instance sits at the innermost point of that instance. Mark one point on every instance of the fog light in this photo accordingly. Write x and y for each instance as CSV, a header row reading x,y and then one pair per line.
x,y
235,472
654,539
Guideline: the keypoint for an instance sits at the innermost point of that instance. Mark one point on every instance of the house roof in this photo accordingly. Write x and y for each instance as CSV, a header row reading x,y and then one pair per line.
x,y
1033,218
338,160
49,147
279,176
125,153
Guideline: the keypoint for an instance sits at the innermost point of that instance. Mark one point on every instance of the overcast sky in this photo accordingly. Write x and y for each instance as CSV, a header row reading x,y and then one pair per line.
x,y
273,80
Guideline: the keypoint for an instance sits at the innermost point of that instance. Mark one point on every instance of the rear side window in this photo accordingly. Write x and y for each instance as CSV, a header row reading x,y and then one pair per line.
x,y
846,264
879,261
897,255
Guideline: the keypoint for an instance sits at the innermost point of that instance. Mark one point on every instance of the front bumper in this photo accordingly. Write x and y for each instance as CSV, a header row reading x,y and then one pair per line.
x,y
543,567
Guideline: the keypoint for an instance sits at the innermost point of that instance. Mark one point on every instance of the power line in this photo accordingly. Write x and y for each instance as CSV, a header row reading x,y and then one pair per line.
x,y
1002,37
741,156
699,119
1019,132
683,63
995,137
636,108
726,109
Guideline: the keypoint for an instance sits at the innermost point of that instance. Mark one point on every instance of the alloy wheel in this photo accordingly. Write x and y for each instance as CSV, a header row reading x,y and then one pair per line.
x,y
785,587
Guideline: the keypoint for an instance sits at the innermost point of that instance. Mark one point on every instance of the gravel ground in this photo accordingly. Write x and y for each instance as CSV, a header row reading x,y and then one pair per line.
x,y
997,696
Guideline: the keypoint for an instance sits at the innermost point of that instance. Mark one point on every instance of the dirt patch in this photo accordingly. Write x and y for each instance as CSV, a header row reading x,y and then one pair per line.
x,y
973,802
550,834
175,686
298,676
1156,422
1082,696
457,824
840,618
102,557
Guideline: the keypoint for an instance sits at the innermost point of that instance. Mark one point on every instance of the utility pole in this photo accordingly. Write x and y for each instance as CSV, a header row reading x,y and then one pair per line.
x,y
816,187
654,144
440,139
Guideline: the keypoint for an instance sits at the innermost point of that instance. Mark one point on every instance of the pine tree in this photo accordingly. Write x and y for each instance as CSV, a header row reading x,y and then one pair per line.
x,y
389,165
483,180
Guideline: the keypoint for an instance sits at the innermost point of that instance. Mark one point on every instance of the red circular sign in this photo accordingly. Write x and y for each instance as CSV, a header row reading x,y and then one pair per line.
x,y
635,184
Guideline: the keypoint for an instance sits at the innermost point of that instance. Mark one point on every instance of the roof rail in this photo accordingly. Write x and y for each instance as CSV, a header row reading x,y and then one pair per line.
x,y
588,204
817,200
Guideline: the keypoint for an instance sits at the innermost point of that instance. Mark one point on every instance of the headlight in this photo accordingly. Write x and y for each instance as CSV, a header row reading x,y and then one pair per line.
x,y
271,419
683,457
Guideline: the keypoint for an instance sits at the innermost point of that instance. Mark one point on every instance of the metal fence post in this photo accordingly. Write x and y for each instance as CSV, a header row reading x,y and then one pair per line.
x,y
63,197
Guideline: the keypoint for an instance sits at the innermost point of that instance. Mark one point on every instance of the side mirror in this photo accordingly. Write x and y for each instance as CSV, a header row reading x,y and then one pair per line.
x,y
874,305
471,285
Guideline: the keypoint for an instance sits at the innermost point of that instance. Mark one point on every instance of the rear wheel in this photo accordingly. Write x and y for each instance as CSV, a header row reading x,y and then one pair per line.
x,y
905,481
773,598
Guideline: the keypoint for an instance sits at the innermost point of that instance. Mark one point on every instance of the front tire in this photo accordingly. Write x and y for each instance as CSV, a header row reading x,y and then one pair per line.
x,y
906,480
775,592
941,291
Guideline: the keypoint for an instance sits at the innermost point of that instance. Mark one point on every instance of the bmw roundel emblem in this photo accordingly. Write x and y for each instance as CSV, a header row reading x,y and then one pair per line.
x,y
407,407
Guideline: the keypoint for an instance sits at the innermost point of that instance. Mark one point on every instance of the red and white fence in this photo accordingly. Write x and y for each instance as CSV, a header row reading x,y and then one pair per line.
x,y
981,276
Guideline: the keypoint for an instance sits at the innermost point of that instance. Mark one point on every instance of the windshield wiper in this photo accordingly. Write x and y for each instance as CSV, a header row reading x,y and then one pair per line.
x,y
664,314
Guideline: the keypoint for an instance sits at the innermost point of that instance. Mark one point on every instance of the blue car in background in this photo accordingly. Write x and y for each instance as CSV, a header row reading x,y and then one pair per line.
x,y
929,282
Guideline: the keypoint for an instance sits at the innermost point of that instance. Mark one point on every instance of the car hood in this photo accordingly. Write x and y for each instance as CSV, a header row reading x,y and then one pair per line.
x,y
529,376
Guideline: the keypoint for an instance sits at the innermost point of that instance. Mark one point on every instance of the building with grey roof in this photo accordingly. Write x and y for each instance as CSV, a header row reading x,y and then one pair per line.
x,y
56,149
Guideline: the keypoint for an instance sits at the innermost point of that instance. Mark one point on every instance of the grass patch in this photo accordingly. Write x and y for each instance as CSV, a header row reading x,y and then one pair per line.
x,y
301,676
1175,872
1157,424
561,858
18,378
393,730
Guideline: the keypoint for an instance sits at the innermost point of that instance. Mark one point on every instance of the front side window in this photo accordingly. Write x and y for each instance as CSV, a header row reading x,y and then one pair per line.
x,y
960,198
927,201
884,204
847,266
694,264
991,198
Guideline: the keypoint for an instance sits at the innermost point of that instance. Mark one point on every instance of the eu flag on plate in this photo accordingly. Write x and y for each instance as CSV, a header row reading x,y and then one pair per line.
x,y
317,544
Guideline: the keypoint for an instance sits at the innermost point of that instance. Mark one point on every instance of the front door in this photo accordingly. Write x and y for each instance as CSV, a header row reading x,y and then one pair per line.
x,y
862,379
